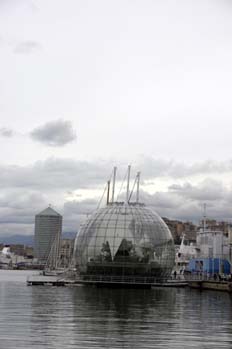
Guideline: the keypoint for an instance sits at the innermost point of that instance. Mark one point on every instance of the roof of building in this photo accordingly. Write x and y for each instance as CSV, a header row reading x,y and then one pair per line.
x,y
48,212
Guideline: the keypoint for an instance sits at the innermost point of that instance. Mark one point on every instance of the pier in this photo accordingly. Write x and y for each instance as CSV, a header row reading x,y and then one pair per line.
x,y
69,279
110,281
211,285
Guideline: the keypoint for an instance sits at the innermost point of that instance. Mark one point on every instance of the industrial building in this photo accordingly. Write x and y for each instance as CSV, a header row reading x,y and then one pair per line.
x,y
213,252
48,229
209,266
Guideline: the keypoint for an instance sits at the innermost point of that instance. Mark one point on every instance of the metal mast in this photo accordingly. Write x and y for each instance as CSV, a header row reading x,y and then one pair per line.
x,y
204,218
128,184
113,187
108,193
138,183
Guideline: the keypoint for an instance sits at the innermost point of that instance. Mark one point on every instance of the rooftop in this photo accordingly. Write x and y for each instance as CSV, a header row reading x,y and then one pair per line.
x,y
48,212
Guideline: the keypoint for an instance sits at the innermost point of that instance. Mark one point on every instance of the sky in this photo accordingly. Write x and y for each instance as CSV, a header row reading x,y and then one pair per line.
x,y
86,85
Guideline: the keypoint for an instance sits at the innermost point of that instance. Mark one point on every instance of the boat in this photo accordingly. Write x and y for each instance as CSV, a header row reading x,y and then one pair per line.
x,y
6,258
184,253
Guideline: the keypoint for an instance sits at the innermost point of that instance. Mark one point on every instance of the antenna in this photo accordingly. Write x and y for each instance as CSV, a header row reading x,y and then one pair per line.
x,y
113,188
204,218
128,184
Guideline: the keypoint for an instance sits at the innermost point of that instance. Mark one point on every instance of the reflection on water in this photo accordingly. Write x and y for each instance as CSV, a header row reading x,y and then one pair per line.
x,y
82,317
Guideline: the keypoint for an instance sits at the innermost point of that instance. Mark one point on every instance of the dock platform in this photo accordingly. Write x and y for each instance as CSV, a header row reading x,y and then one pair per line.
x,y
211,285
49,280
62,280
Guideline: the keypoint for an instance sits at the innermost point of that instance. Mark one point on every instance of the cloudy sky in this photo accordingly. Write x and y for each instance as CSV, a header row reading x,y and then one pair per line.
x,y
86,85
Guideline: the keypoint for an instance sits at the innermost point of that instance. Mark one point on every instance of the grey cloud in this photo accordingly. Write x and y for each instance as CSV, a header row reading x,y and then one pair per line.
x,y
179,187
83,207
76,212
19,199
166,200
18,209
27,47
66,174
186,201
55,174
55,133
6,132
171,204
207,190
27,190
8,229
153,168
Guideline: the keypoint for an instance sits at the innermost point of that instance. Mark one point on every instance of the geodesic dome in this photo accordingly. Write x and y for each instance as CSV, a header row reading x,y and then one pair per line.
x,y
124,240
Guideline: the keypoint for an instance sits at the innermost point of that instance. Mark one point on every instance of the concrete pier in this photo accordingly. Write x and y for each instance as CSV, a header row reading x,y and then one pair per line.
x,y
211,285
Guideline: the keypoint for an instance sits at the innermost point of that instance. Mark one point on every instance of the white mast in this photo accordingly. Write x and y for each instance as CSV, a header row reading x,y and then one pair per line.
x,y
204,218
113,188
108,193
128,184
138,182
230,245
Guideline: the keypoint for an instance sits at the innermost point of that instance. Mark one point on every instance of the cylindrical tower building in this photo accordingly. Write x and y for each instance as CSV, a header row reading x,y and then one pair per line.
x,y
48,228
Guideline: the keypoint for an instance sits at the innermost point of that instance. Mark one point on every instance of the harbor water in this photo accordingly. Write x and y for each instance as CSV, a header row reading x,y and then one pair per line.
x,y
89,317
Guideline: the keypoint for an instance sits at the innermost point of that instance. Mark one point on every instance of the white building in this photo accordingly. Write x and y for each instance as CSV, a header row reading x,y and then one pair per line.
x,y
212,244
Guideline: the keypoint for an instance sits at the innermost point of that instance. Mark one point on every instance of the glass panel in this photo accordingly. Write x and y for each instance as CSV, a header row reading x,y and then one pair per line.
x,y
125,239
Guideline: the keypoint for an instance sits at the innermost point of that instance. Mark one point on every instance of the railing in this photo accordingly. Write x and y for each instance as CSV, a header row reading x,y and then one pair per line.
x,y
207,277
121,279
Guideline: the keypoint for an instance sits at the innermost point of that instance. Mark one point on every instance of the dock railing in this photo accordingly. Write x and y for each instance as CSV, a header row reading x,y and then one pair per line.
x,y
195,276
121,279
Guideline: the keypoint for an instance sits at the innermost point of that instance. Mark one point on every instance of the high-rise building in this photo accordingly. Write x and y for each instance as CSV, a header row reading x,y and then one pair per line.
x,y
48,229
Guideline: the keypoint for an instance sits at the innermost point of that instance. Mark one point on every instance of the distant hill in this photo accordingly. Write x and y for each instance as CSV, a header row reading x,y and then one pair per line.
x,y
28,239
69,235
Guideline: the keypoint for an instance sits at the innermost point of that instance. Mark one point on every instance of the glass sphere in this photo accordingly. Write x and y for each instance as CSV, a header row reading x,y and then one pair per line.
x,y
125,240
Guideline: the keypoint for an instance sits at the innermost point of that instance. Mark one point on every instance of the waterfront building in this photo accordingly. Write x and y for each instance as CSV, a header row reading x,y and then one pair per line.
x,y
213,252
123,242
179,228
209,266
10,260
48,229
212,244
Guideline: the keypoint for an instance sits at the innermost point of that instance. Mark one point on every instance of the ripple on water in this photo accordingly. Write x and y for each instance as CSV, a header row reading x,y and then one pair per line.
x,y
81,317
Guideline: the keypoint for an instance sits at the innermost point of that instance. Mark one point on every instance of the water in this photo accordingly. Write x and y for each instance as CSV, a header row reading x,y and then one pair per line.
x,y
81,317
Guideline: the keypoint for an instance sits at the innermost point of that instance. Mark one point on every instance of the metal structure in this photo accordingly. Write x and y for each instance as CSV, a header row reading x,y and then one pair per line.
x,y
124,242
48,228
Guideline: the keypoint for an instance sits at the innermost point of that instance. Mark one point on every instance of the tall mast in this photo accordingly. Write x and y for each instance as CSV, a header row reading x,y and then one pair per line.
x,y
113,188
138,183
128,184
108,193
204,218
